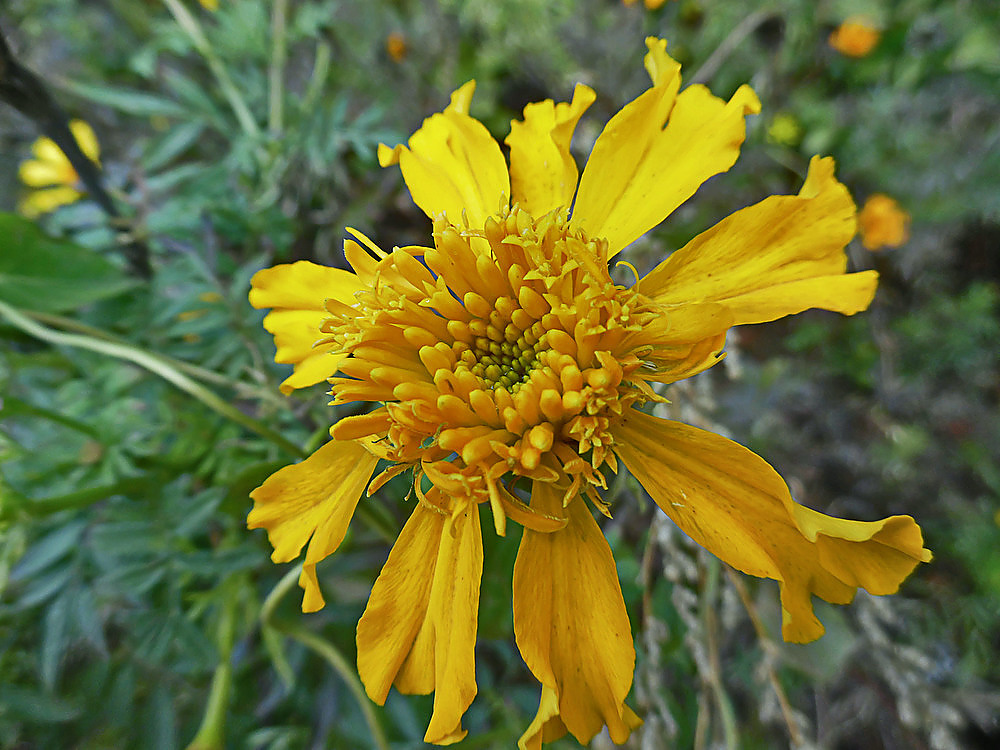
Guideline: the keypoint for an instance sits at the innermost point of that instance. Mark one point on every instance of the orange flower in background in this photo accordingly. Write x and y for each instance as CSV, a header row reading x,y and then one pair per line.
x,y
650,4
54,181
396,46
882,223
855,37
506,369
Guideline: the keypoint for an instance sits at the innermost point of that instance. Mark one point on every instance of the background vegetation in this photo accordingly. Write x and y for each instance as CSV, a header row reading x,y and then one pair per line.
x,y
138,411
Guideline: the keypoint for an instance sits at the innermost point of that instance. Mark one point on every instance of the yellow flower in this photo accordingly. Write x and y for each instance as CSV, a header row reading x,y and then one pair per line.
x,y
855,37
212,5
882,223
784,130
55,181
504,360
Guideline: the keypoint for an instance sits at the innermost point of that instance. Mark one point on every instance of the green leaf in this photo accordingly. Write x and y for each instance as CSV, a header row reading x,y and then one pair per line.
x,y
55,636
127,100
32,705
49,549
46,274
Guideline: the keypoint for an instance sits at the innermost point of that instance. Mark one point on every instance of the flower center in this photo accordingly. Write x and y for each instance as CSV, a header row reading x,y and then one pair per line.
x,y
503,363
507,352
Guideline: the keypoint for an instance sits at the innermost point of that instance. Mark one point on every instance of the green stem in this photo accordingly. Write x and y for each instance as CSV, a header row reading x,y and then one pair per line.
x,y
154,364
239,106
72,500
200,373
276,73
212,732
321,66
326,650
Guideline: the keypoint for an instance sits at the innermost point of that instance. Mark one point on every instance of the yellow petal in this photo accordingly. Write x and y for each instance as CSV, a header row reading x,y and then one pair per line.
x,y
543,173
312,501
45,149
317,367
39,174
46,200
570,620
734,504
298,293
295,332
295,335
452,164
656,152
778,257
685,338
397,609
454,606
302,286
419,629
546,726
86,139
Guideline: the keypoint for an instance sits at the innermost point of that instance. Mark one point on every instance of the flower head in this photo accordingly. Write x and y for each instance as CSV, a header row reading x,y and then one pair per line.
x,y
855,37
53,178
507,367
882,223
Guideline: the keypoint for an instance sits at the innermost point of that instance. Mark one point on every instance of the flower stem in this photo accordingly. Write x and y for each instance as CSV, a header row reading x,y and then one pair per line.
x,y
323,648
194,31
276,72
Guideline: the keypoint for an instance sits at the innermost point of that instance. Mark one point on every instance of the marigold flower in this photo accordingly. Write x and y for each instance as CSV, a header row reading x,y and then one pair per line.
x,y
855,37
882,223
505,354
55,181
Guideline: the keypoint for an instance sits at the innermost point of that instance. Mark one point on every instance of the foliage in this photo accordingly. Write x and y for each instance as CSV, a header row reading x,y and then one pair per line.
x,y
136,415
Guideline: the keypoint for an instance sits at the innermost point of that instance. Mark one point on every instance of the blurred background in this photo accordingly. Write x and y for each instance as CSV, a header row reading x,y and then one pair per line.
x,y
140,401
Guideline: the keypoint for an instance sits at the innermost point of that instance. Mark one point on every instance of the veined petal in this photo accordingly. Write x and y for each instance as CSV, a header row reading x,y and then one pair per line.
x,y
543,173
454,606
778,257
586,660
546,726
730,501
452,164
397,608
312,500
419,629
295,333
657,151
315,368
302,286
298,292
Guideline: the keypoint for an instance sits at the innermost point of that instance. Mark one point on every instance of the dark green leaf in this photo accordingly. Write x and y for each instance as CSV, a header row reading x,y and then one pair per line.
x,y
32,705
48,549
45,274
55,636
